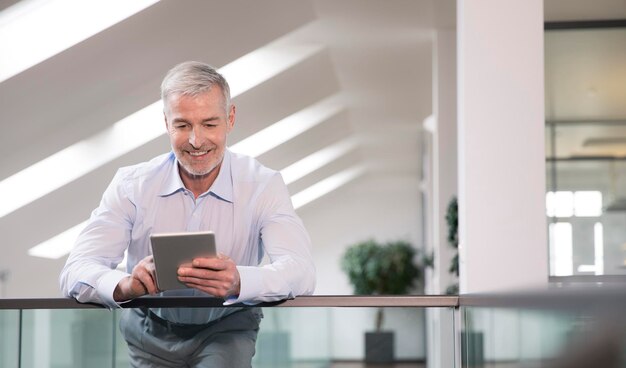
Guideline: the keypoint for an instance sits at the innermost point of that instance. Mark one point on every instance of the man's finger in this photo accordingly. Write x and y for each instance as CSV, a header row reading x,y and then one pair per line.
x,y
146,278
210,263
137,287
217,290
200,273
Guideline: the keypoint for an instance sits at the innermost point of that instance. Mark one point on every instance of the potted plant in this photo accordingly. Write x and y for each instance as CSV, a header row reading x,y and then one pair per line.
x,y
381,269
452,219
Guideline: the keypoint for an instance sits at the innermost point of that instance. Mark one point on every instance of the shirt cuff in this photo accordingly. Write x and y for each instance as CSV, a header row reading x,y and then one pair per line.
x,y
107,285
250,284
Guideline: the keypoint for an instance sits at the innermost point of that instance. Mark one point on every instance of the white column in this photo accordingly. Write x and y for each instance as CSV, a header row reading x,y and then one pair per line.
x,y
501,145
444,178
444,151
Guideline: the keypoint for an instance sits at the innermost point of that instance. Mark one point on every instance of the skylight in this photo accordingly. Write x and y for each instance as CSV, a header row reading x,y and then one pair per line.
x,y
256,144
289,127
326,186
142,127
80,158
316,160
32,31
59,245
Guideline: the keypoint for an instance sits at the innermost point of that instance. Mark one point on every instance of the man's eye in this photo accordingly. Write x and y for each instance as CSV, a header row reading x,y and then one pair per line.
x,y
180,126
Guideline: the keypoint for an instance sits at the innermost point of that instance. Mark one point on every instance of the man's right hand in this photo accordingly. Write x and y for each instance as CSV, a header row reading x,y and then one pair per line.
x,y
141,282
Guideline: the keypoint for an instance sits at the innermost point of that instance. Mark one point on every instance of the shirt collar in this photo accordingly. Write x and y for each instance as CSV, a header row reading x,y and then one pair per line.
x,y
222,186
172,183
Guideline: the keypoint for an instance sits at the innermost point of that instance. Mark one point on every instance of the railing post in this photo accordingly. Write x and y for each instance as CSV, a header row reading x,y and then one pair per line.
x,y
458,325
19,340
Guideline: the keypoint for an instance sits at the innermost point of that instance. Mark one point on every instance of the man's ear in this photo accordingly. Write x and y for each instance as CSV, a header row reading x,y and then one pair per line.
x,y
231,117
165,119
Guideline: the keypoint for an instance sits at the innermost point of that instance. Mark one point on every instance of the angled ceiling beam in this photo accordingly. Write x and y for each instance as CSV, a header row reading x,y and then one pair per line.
x,y
131,132
32,31
326,186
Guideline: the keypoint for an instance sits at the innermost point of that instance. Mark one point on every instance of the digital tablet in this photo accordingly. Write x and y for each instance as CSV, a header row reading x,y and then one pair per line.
x,y
170,250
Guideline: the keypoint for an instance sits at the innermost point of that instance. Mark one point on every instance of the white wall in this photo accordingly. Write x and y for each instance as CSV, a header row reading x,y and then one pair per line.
x,y
380,206
501,145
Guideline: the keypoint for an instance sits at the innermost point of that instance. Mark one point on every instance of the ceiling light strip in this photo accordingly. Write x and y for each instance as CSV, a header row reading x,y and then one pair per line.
x,y
32,31
326,186
59,245
289,127
316,160
130,133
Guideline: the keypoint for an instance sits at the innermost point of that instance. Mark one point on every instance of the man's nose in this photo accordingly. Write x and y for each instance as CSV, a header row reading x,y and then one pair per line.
x,y
195,137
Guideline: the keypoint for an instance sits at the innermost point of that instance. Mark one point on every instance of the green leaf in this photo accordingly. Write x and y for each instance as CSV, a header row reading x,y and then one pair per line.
x,y
375,268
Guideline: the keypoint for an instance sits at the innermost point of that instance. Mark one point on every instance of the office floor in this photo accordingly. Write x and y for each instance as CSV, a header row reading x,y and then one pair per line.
x,y
364,365
402,365
341,365
356,365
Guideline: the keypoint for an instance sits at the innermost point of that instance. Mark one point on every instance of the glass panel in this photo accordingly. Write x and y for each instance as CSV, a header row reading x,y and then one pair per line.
x,y
586,146
440,337
121,349
472,338
533,338
598,221
9,338
288,337
281,339
67,338
317,337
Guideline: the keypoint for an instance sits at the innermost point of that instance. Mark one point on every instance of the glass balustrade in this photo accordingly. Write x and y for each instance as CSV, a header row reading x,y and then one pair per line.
x,y
554,331
549,329
322,335
9,337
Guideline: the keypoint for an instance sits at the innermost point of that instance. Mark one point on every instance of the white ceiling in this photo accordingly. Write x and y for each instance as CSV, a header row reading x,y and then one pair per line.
x,y
375,56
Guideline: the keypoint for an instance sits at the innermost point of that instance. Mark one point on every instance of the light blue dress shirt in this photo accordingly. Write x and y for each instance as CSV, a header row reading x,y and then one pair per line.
x,y
248,208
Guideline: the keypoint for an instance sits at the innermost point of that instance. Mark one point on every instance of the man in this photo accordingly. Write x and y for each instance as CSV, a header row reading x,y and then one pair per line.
x,y
201,185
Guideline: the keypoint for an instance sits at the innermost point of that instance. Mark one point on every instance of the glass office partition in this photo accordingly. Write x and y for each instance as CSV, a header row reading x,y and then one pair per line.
x,y
586,207
513,337
564,327
586,149
333,335
9,337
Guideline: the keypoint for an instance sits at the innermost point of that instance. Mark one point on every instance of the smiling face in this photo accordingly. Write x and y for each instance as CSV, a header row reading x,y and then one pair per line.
x,y
198,127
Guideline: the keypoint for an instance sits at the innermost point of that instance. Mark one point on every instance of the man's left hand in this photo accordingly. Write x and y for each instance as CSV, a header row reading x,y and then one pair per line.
x,y
215,276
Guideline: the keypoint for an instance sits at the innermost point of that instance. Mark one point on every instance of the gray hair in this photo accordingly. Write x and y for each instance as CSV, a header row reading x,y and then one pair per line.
x,y
193,78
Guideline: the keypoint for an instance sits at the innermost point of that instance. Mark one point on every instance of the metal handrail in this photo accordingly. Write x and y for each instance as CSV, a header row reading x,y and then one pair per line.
x,y
422,301
613,296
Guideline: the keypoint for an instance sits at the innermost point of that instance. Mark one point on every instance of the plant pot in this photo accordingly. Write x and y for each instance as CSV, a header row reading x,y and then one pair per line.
x,y
379,347
472,352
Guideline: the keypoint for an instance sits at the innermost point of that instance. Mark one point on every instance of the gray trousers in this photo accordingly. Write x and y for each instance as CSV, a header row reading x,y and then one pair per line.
x,y
227,342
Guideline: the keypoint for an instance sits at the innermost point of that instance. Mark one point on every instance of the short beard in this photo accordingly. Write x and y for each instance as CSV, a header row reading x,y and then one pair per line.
x,y
193,172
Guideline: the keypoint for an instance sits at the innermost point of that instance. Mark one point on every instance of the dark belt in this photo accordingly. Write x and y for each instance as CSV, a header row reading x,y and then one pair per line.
x,y
181,329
